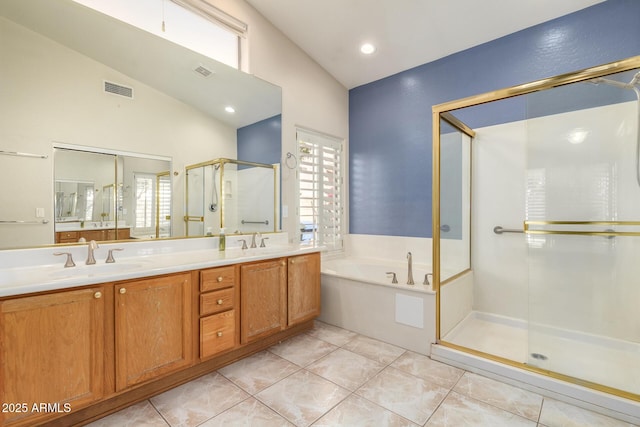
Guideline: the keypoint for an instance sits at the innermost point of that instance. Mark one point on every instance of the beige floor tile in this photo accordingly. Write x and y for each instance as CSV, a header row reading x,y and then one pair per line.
x,y
501,395
197,401
404,394
302,397
374,349
559,414
142,414
249,413
257,372
331,334
345,368
355,411
459,410
431,370
302,349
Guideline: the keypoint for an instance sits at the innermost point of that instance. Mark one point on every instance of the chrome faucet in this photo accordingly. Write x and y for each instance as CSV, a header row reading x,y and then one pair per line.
x,y
410,272
253,239
90,258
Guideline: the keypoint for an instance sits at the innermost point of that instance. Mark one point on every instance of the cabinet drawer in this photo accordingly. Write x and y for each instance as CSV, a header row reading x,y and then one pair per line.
x,y
67,236
215,302
217,278
217,333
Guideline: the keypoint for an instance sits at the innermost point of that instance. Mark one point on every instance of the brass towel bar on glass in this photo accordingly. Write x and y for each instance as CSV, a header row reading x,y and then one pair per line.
x,y
609,232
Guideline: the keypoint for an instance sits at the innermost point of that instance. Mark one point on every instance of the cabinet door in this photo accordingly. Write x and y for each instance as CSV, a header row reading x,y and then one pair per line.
x,y
303,288
262,299
152,328
51,352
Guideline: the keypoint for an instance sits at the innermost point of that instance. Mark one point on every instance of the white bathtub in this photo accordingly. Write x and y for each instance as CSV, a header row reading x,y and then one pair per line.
x,y
358,295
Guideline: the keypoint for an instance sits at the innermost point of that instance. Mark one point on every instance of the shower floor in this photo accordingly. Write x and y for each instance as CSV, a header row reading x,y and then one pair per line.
x,y
605,361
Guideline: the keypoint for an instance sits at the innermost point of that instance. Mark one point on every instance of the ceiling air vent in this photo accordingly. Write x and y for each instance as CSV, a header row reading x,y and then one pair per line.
x,y
117,89
202,70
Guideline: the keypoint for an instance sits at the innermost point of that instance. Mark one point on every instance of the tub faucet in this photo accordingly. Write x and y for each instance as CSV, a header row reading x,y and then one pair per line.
x,y
90,258
410,269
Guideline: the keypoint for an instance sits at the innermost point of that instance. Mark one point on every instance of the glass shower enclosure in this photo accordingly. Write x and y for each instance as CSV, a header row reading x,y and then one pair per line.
x,y
546,178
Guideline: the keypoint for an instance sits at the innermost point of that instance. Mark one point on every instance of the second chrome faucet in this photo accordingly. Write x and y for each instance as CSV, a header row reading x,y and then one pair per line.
x,y
92,247
410,269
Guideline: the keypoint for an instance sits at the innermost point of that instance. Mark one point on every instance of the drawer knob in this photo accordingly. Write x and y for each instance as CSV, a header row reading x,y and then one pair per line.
x,y
219,334
219,278
97,295
123,290
220,302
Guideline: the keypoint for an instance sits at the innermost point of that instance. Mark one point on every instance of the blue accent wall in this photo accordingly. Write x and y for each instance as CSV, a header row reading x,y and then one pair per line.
x,y
261,142
390,119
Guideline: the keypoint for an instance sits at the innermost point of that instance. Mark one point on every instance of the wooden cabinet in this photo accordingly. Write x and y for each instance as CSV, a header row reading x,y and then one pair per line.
x,y
101,347
152,328
51,352
89,234
119,234
218,312
67,236
303,288
263,299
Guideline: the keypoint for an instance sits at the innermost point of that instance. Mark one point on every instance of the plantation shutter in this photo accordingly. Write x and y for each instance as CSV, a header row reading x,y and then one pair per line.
x,y
321,196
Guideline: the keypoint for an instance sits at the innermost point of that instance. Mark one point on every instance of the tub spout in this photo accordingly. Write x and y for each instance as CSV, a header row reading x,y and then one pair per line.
x,y
410,269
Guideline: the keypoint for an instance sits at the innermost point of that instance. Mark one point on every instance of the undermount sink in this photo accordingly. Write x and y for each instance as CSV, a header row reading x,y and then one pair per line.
x,y
17,276
97,269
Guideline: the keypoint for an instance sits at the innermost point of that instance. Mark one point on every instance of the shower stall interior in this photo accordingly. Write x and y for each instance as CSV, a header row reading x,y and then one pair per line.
x,y
537,197
239,196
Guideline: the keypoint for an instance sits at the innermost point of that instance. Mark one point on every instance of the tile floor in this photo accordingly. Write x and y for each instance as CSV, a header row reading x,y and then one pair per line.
x,y
334,377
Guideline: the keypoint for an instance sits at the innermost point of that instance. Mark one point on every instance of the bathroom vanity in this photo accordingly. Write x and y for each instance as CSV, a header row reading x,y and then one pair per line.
x,y
85,344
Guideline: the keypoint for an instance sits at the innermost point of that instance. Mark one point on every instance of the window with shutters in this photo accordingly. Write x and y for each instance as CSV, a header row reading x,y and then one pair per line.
x,y
144,203
163,219
321,189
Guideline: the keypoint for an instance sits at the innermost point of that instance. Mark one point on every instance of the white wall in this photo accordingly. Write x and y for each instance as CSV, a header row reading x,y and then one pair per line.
x,y
51,93
310,96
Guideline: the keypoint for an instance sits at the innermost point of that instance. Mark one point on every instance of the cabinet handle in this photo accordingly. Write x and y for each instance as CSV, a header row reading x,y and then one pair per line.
x,y
293,261
283,263
220,302
123,290
219,334
97,295
219,278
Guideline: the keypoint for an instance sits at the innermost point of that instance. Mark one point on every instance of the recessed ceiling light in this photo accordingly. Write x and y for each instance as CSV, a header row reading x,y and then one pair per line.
x,y
367,48
229,109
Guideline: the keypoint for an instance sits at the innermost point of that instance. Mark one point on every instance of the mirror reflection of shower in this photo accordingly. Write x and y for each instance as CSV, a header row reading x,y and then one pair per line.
x,y
633,85
213,206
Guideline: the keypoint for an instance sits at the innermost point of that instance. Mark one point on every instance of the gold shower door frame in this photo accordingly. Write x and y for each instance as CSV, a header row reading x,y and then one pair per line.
x,y
444,112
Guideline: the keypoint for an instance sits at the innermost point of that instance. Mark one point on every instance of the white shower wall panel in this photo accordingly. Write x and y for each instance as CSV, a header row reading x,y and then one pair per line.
x,y
573,282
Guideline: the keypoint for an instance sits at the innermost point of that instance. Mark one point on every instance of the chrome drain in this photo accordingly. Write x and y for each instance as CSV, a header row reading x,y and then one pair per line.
x,y
539,356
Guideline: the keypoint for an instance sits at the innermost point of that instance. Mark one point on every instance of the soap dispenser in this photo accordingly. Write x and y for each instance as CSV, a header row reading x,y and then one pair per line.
x,y
222,240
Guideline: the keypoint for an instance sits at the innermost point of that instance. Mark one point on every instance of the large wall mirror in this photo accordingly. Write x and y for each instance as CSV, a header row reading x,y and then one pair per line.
x,y
85,88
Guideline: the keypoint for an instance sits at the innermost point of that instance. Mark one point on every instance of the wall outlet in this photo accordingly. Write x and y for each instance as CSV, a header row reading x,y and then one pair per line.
x,y
285,211
39,212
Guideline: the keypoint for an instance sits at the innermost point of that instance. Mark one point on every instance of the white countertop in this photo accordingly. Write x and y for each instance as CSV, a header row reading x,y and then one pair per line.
x,y
46,272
